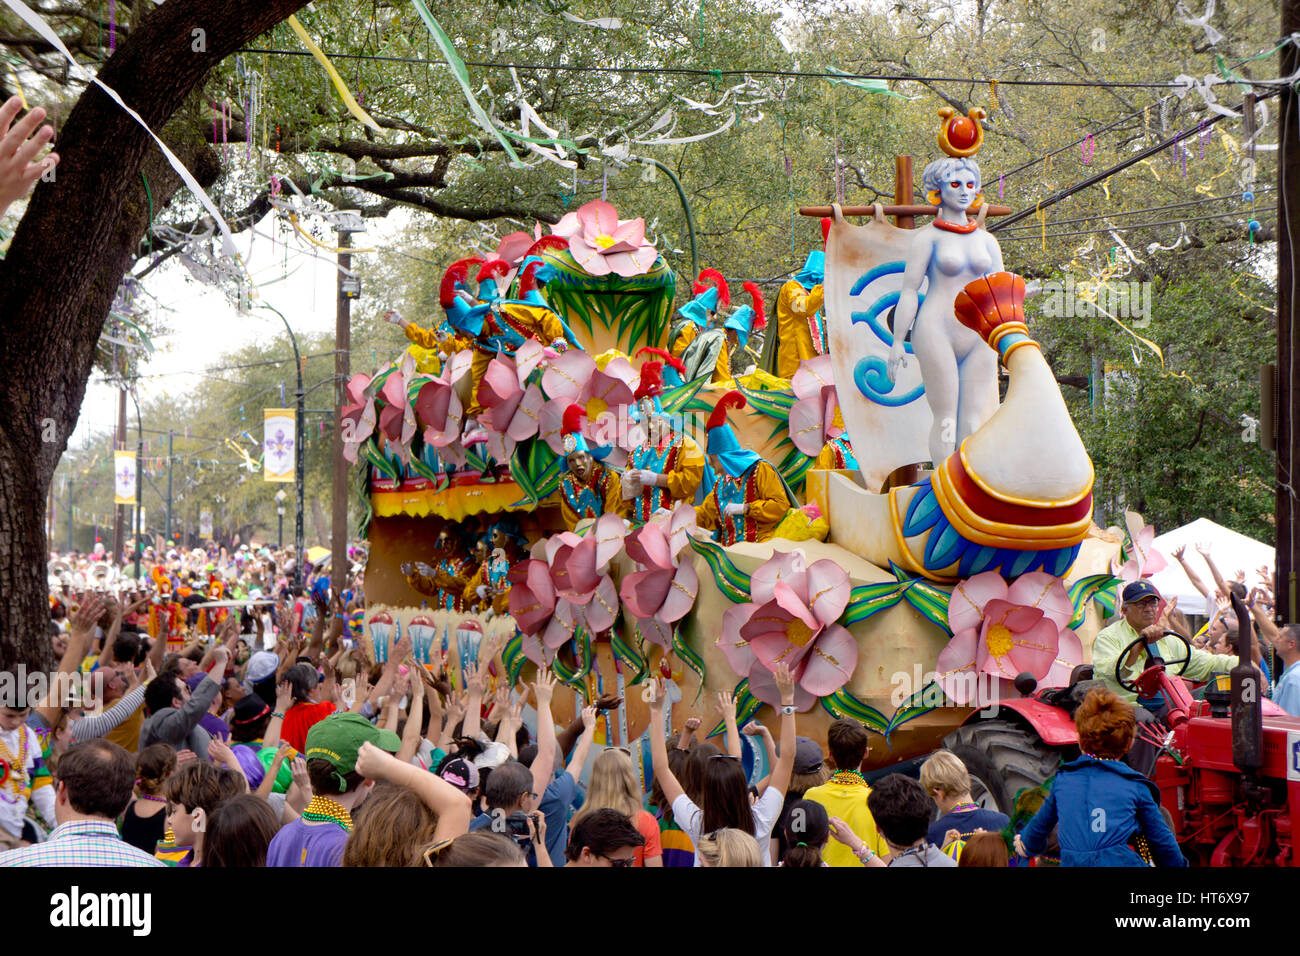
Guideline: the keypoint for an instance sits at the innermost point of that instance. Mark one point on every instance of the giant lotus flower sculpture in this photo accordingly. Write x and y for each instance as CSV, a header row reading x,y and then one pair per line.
x,y
572,588
601,243
1143,559
511,405
664,591
1001,631
812,417
792,620
397,417
437,405
575,379
358,416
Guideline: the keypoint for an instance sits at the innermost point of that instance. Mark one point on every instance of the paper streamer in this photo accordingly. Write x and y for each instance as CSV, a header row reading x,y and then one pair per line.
x,y
344,94
601,23
461,74
678,140
39,24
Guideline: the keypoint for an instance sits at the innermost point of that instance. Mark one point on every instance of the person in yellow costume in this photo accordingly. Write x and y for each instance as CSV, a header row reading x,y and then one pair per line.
x,y
691,338
667,467
800,319
742,323
476,597
429,347
512,322
837,453
748,499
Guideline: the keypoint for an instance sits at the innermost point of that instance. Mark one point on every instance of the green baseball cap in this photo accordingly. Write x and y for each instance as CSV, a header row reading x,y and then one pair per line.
x,y
338,737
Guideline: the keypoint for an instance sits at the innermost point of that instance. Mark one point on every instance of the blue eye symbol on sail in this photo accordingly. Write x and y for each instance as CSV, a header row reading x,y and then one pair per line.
x,y
879,290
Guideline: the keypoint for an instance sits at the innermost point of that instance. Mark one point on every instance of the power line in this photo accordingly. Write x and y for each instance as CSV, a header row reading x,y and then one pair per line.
x,y
1091,232
1147,209
713,74
1107,173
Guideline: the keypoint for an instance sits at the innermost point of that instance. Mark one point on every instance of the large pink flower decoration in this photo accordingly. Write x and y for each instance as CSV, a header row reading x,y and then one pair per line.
x,y
602,243
664,592
1143,559
792,620
397,418
437,405
813,415
1000,632
575,379
358,417
580,571
512,247
511,405
545,619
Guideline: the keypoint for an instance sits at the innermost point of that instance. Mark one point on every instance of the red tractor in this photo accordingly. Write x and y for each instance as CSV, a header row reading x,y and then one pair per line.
x,y
1229,776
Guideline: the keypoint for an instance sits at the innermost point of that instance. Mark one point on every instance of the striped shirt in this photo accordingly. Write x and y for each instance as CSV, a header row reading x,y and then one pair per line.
x,y
80,843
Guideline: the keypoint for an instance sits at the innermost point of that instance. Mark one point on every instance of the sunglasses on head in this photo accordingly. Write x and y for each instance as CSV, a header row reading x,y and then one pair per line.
x,y
619,864
723,757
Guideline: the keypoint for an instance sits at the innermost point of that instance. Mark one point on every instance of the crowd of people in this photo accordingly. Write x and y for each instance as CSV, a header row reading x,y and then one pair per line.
x,y
276,740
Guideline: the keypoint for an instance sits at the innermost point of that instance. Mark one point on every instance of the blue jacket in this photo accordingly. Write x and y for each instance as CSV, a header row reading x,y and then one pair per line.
x,y
1096,806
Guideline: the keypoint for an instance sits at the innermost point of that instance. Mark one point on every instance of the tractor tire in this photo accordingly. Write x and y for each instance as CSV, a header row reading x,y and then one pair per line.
x,y
1002,758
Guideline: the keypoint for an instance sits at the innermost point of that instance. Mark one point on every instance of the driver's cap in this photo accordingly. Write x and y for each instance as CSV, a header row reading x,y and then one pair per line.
x,y
1137,590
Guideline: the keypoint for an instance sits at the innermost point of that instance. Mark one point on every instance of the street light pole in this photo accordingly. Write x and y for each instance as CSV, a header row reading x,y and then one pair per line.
x,y
297,451
348,288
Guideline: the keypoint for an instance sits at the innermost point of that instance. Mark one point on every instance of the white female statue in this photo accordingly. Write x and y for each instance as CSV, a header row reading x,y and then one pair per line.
x,y
959,370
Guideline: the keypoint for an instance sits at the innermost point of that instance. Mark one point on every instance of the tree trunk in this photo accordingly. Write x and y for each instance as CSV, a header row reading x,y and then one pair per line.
x,y
67,258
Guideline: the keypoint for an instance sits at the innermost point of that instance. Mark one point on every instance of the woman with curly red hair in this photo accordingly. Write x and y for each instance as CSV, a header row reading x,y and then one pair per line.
x,y
1103,809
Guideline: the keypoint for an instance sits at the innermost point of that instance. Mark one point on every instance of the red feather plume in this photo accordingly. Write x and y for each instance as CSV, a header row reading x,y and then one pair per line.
x,y
458,271
494,269
826,230
714,277
760,313
732,399
668,359
573,416
652,382
558,243
528,279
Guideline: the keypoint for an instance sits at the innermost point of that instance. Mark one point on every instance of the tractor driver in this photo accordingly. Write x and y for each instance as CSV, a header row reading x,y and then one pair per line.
x,y
1142,610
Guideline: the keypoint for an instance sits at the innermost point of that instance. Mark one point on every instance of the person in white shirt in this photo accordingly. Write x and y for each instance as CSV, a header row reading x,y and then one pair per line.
x,y
725,791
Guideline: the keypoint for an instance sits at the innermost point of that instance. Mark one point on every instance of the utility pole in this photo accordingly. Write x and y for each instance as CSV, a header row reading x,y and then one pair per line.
x,y
167,531
906,474
1288,264
348,289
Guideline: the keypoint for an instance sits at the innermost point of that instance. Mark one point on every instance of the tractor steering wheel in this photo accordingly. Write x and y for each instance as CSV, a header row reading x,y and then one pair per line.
x,y
1123,656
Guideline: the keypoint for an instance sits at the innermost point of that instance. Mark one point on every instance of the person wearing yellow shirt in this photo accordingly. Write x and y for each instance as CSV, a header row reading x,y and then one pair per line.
x,y
845,798
691,338
743,323
837,453
665,468
748,498
1142,611
800,317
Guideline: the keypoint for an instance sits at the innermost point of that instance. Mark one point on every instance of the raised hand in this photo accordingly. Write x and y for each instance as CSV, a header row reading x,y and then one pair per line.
x,y
544,687
92,607
654,693
755,729
18,147
693,724
588,720
784,683
726,705
1180,551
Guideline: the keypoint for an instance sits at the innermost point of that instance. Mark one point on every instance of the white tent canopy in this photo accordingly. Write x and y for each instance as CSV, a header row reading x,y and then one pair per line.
x,y
1230,551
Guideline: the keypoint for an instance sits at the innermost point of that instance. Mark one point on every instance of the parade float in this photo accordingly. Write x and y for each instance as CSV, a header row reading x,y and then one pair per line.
x,y
572,471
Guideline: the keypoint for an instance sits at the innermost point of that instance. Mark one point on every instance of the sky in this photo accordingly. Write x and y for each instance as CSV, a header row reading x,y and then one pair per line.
x,y
204,324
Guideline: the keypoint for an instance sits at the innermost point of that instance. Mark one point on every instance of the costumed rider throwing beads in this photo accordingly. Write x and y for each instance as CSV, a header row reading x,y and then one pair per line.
x,y
748,499
665,468
588,489
691,338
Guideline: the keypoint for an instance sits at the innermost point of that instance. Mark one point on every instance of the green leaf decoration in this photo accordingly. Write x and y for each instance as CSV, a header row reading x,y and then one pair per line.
x,y
1097,586
690,658
629,655
866,600
930,600
514,658
843,704
730,580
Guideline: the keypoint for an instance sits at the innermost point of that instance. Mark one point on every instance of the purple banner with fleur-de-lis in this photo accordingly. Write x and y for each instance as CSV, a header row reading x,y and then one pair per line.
x,y
123,477
278,452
